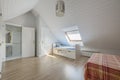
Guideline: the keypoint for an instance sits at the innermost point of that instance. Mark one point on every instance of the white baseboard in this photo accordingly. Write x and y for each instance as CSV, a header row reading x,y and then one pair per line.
x,y
109,51
12,58
0,76
41,55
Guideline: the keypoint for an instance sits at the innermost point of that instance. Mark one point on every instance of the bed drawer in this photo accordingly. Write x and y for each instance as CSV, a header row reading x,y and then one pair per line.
x,y
66,53
87,54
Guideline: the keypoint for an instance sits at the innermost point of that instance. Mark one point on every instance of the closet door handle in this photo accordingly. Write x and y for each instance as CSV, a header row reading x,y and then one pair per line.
x,y
0,44
69,51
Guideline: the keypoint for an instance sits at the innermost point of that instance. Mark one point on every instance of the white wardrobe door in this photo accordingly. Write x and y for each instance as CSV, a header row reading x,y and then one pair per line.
x,y
2,45
28,42
0,50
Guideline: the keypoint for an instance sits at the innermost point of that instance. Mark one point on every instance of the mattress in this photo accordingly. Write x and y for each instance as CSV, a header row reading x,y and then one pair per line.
x,y
103,67
66,47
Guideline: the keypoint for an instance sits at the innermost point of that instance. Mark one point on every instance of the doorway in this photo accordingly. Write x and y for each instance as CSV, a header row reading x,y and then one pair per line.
x,y
13,42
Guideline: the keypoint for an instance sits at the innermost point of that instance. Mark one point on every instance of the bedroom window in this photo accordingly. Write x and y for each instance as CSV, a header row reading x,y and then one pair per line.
x,y
73,36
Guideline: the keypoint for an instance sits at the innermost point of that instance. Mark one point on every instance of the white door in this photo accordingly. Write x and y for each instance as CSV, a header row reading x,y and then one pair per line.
x,y
2,45
0,49
28,42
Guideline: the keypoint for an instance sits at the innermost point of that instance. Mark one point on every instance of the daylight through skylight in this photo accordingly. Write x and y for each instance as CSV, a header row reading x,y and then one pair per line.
x,y
73,35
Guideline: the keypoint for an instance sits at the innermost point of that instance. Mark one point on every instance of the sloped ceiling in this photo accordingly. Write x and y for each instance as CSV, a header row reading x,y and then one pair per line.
x,y
98,21
14,8
0,8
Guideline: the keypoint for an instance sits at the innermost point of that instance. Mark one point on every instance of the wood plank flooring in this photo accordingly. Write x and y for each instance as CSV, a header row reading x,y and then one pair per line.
x,y
44,68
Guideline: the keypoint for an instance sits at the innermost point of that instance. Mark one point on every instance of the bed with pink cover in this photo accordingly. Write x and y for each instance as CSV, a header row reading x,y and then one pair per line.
x,y
103,67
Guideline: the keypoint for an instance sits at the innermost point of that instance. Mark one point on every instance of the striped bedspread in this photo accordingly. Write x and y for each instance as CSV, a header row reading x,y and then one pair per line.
x,y
103,67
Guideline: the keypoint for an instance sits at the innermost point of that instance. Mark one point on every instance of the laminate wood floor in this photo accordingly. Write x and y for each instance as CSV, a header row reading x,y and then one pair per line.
x,y
44,68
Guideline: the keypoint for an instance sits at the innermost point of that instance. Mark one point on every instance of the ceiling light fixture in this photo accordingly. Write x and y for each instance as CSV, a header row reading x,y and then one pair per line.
x,y
60,8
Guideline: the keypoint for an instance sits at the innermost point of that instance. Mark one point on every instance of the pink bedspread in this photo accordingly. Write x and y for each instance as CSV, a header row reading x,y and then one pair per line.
x,y
103,67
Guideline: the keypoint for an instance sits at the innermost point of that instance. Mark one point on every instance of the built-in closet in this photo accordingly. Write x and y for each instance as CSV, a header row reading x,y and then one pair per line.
x,y
16,41
13,42
19,41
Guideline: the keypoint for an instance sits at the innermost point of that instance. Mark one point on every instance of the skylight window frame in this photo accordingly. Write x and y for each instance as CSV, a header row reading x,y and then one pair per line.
x,y
67,35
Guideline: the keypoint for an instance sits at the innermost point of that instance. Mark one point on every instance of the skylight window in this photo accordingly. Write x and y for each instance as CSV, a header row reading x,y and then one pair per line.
x,y
73,35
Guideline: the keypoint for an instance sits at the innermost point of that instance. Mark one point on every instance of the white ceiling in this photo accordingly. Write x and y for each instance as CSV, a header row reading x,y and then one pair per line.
x,y
98,20
13,8
0,7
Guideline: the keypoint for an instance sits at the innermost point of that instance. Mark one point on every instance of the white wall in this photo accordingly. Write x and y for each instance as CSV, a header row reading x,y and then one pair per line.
x,y
27,20
45,38
98,20
14,8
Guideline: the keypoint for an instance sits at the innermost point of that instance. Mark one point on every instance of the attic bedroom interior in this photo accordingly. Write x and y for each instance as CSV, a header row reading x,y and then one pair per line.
x,y
59,39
